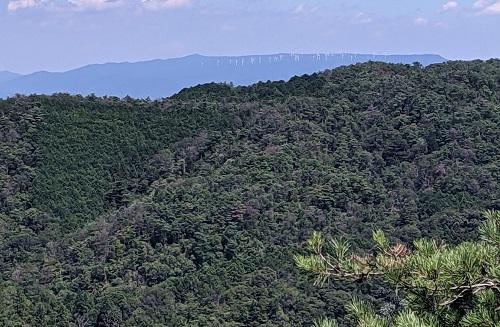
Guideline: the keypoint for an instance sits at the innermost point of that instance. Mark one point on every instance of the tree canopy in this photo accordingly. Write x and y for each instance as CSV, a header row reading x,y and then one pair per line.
x,y
187,211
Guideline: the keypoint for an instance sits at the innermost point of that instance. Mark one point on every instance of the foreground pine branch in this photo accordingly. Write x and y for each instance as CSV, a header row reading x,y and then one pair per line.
x,y
442,285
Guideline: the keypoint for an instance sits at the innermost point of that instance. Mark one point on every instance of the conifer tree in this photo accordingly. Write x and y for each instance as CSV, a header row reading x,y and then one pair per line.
x,y
441,285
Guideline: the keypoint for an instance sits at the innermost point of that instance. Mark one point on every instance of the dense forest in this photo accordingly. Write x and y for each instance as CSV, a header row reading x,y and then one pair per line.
x,y
188,211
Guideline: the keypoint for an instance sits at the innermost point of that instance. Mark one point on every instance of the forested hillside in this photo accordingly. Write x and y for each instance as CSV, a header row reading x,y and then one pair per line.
x,y
188,211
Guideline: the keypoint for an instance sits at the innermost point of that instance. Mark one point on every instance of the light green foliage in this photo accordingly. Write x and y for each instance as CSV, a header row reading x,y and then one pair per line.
x,y
380,239
443,285
490,229
325,323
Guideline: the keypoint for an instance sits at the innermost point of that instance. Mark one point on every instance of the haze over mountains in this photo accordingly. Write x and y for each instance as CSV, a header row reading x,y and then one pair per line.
x,y
162,78
8,76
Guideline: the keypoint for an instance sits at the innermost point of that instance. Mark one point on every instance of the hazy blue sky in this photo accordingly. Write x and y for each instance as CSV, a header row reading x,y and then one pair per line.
x,y
61,34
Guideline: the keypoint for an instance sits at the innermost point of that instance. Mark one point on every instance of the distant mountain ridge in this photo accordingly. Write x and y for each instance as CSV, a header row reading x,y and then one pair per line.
x,y
164,77
8,76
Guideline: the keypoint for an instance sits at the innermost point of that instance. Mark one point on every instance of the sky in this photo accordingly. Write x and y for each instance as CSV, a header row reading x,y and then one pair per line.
x,y
57,35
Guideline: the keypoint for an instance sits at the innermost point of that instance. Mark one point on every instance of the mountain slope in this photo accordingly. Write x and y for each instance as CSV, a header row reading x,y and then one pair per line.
x,y
161,78
6,76
187,211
